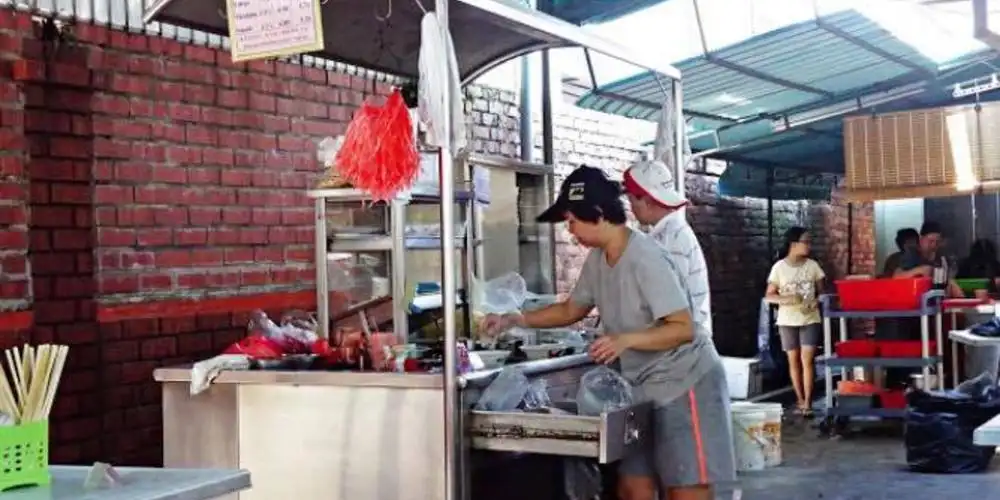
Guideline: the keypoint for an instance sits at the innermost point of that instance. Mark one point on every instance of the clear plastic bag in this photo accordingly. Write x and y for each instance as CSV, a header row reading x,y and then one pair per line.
x,y
537,396
505,392
601,390
582,479
501,295
349,278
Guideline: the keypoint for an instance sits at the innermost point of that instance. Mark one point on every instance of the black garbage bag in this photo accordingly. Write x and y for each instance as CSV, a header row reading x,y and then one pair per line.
x,y
939,427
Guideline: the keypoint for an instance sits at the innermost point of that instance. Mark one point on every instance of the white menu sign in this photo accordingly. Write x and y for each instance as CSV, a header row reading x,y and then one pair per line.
x,y
260,29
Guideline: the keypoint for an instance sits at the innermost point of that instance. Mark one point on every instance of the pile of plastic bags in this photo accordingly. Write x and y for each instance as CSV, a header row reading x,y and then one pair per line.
x,y
940,425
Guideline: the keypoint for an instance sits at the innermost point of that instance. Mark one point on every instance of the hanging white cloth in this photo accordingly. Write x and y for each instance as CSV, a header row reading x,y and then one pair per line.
x,y
663,143
438,68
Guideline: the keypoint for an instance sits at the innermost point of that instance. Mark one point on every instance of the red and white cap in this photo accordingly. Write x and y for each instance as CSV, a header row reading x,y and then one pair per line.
x,y
653,179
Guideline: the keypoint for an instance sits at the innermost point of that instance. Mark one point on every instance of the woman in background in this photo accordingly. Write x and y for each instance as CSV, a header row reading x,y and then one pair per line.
x,y
794,285
907,240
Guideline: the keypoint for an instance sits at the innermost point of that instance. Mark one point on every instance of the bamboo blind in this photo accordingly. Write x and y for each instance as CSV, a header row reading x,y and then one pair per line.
x,y
911,154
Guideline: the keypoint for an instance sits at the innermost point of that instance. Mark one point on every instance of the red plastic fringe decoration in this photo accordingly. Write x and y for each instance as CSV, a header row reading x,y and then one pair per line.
x,y
379,155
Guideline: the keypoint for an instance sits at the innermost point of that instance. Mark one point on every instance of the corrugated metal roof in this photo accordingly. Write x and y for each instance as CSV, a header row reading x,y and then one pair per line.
x,y
594,11
815,68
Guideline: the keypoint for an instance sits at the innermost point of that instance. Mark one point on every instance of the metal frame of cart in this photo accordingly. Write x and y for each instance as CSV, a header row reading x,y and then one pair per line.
x,y
486,34
930,306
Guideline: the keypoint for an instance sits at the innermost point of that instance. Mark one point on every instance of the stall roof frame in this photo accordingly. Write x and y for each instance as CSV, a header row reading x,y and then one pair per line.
x,y
486,33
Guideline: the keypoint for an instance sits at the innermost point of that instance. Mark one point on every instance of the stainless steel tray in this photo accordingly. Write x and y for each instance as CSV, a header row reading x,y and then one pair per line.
x,y
608,438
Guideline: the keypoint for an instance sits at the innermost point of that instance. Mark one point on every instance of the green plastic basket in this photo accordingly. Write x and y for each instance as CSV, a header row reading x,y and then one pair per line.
x,y
970,285
24,455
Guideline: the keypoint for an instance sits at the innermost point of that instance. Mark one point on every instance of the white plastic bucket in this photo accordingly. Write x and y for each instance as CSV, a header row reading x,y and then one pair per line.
x,y
756,435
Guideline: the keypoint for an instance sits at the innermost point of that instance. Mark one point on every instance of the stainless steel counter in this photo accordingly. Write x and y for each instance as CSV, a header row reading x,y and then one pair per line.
x,y
138,484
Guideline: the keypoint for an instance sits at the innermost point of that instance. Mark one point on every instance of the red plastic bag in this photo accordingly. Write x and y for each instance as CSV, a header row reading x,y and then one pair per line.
x,y
257,347
379,155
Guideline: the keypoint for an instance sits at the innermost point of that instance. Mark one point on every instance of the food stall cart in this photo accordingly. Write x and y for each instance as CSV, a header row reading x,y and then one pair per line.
x,y
379,435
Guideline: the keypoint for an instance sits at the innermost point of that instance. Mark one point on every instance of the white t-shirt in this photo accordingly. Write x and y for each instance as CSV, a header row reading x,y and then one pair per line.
x,y
798,280
677,237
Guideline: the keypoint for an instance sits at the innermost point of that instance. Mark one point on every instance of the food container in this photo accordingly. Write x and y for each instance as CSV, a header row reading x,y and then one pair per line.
x,y
856,387
893,399
970,285
905,348
886,294
928,383
857,349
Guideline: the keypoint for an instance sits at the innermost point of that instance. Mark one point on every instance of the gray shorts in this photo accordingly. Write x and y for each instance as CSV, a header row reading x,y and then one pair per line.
x,y
692,441
794,337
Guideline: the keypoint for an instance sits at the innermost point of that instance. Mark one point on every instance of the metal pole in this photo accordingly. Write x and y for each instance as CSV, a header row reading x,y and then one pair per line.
x,y
547,235
397,263
527,140
680,134
448,288
322,270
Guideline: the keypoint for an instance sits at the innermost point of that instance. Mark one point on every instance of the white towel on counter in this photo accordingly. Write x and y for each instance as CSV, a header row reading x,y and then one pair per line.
x,y
204,372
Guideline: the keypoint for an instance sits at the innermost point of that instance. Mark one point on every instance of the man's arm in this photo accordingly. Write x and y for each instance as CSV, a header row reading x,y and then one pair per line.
x,y
910,266
673,330
564,313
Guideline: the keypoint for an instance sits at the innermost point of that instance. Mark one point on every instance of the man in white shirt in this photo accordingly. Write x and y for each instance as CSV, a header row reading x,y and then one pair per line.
x,y
649,186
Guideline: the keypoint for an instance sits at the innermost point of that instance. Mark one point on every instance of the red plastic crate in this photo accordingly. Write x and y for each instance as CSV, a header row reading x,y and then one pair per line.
x,y
904,348
886,294
857,349
894,399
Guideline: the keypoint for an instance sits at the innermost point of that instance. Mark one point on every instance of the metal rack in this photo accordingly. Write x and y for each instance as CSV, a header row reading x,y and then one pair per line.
x,y
392,240
930,306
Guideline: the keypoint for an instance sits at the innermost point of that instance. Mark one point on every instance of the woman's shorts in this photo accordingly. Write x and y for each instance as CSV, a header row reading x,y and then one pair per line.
x,y
794,337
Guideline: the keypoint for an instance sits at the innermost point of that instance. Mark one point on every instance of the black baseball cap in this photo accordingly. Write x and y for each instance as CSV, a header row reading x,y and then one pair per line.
x,y
588,194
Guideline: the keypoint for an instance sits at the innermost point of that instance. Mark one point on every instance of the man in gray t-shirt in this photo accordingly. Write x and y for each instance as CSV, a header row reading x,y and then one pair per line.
x,y
645,309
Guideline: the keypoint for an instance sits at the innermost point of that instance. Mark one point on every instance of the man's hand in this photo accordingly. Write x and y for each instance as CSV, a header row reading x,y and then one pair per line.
x,y
607,349
495,324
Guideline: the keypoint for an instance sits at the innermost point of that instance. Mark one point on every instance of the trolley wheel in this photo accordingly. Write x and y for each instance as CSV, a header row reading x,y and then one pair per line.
x,y
834,426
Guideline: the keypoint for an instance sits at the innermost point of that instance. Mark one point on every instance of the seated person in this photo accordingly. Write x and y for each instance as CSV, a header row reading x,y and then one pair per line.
x,y
907,240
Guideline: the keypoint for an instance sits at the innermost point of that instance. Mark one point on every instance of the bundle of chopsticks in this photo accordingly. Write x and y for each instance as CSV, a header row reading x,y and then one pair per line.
x,y
28,386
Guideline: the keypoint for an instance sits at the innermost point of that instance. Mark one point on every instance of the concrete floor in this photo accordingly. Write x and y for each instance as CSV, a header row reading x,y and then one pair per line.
x,y
867,465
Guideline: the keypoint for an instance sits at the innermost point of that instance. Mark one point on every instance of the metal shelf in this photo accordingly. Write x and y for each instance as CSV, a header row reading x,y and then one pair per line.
x,y
352,195
835,362
838,411
383,243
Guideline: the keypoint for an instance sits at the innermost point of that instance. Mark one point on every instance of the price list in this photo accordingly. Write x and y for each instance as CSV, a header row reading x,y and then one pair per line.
x,y
273,28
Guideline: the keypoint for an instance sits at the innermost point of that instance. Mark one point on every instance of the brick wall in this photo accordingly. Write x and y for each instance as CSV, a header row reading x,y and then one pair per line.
x,y
15,275
158,189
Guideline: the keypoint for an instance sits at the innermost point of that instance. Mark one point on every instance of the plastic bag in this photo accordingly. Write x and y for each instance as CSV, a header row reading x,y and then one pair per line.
x,y
601,390
501,295
256,347
940,426
537,396
582,479
505,392
379,155
355,281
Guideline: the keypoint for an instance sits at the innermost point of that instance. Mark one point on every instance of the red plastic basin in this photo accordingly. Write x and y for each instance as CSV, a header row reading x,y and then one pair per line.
x,y
905,348
884,294
857,349
895,399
